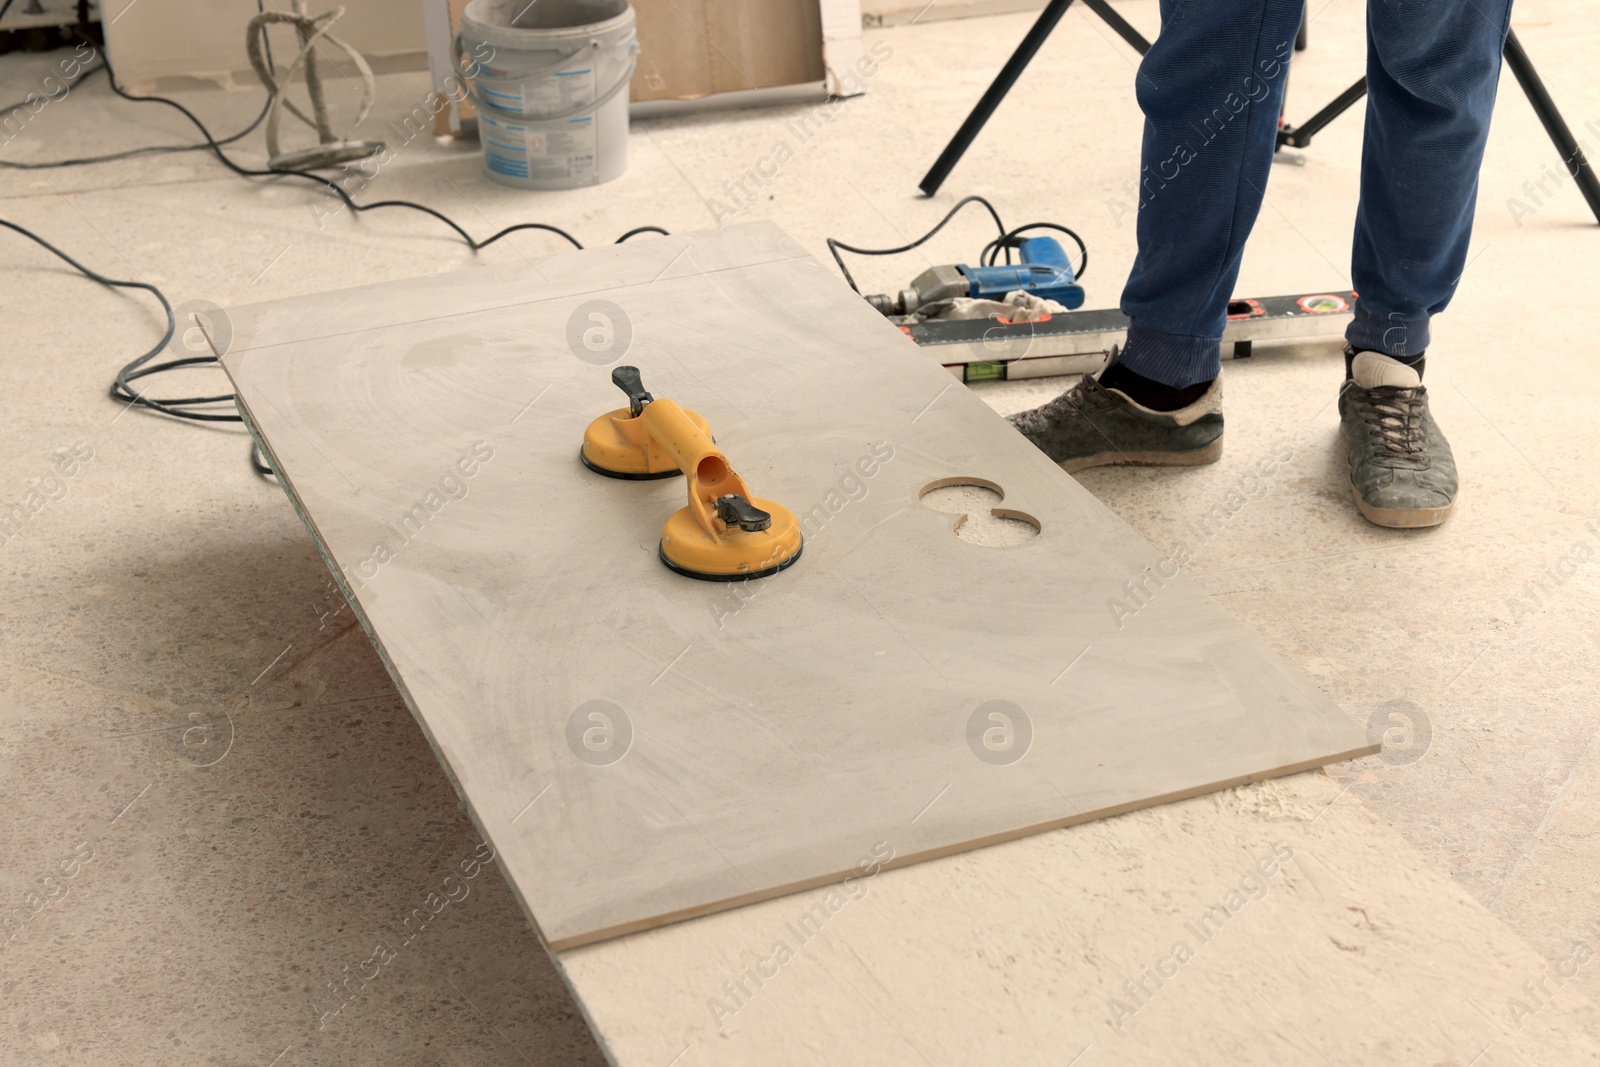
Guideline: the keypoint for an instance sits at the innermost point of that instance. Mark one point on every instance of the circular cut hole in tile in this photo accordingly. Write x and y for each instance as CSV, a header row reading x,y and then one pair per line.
x,y
979,521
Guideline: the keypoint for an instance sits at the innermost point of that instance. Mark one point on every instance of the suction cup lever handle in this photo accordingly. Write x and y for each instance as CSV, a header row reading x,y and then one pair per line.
x,y
719,500
735,510
630,382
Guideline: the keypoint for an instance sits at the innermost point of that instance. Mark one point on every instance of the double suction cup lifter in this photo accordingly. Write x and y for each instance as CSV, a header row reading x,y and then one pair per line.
x,y
725,534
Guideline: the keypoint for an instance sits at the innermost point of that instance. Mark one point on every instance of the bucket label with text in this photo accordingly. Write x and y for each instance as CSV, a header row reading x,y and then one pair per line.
x,y
564,151
558,94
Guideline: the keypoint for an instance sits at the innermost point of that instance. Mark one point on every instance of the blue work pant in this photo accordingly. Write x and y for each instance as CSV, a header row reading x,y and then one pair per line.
x,y
1212,88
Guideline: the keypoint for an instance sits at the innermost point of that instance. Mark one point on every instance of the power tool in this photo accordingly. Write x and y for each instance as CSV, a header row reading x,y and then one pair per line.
x,y
1044,272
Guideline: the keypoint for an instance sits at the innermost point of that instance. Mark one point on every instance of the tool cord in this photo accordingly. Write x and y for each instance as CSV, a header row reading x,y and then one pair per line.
x,y
1011,240
122,388
1007,240
148,150
331,185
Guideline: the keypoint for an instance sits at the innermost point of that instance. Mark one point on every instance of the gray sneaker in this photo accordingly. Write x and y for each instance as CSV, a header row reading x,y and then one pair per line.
x,y
1091,425
1402,472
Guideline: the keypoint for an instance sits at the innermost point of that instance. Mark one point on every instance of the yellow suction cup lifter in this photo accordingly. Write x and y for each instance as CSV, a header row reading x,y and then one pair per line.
x,y
725,534
616,443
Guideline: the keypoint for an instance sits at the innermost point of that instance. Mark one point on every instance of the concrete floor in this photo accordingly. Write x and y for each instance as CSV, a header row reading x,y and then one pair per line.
x,y
216,801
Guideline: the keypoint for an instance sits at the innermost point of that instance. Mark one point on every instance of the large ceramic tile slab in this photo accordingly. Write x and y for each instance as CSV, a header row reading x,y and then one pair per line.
x,y
772,736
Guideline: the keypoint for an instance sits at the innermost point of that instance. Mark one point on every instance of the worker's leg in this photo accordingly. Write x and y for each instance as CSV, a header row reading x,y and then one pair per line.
x,y
1431,80
1211,89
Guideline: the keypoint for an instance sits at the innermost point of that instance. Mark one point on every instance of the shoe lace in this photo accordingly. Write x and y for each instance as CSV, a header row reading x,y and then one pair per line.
x,y
1088,387
1074,398
1394,416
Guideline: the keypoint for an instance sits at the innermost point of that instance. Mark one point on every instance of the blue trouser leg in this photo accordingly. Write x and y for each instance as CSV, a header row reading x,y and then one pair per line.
x,y
1211,89
1432,72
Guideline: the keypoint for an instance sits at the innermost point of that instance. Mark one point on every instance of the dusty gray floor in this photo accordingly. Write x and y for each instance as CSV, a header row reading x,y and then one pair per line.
x,y
218,808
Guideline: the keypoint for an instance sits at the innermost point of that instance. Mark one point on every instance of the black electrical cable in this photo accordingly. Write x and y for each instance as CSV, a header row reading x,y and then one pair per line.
x,y
835,245
137,368
178,407
148,150
637,230
328,183
1009,241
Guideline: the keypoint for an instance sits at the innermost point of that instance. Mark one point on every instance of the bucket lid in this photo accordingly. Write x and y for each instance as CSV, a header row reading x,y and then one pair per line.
x,y
543,19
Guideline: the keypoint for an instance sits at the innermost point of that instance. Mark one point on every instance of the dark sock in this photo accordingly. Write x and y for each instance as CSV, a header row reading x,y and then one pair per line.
x,y
1417,362
1149,393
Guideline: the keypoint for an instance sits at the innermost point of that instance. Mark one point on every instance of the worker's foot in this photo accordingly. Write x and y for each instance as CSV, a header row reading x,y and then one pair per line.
x,y
1401,469
1092,425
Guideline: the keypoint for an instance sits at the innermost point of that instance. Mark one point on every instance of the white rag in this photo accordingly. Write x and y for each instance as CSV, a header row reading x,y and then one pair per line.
x,y
1018,306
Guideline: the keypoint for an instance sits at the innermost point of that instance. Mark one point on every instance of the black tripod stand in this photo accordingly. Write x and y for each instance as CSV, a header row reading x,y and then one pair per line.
x,y
1572,155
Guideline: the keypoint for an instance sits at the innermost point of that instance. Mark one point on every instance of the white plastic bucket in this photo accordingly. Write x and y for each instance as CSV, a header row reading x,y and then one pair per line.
x,y
550,81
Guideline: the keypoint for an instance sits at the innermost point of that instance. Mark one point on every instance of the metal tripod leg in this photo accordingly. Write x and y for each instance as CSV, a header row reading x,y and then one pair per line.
x,y
1008,77
1572,154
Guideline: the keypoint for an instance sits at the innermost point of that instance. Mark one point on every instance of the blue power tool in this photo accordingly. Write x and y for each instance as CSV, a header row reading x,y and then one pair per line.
x,y
1044,272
